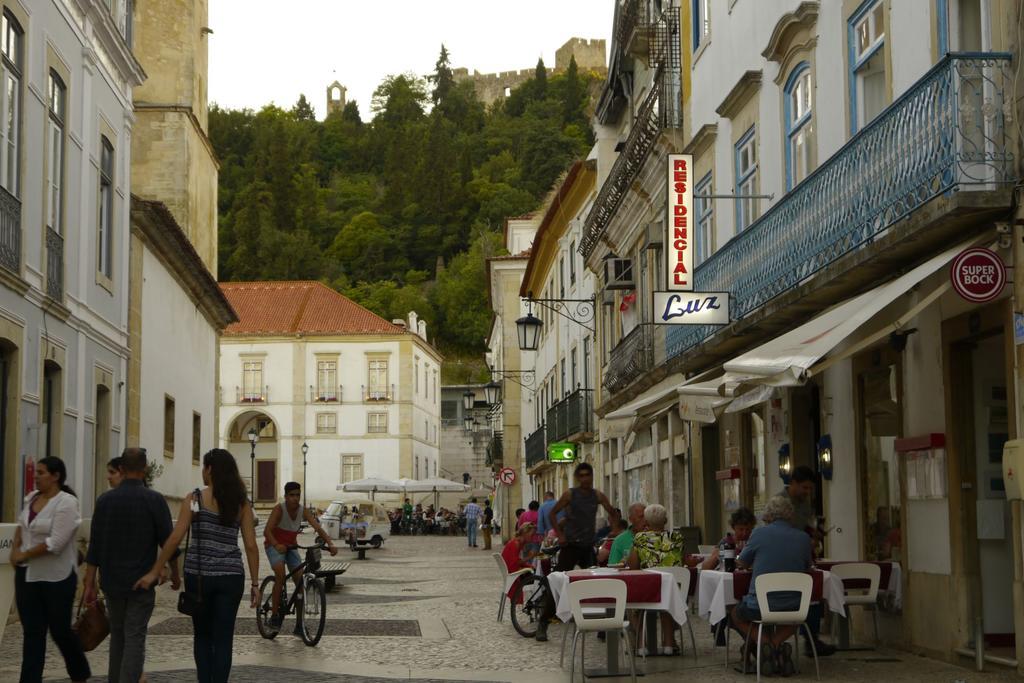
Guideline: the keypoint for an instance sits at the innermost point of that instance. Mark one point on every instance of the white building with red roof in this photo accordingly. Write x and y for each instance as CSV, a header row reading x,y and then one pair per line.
x,y
306,365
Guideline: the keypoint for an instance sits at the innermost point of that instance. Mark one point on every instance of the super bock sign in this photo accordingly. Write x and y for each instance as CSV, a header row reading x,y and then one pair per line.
x,y
681,305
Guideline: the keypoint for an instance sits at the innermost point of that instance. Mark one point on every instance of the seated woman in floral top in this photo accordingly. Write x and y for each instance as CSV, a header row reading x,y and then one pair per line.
x,y
658,548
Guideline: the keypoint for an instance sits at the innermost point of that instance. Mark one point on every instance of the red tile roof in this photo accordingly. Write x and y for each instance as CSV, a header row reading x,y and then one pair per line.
x,y
300,307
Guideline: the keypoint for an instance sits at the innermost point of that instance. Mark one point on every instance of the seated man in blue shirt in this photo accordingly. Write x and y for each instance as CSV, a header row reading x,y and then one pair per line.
x,y
775,547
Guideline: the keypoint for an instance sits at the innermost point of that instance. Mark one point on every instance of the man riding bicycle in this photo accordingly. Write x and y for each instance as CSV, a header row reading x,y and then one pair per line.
x,y
280,534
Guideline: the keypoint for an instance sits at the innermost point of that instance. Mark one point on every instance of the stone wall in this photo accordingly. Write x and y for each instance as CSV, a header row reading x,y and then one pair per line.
x,y
590,57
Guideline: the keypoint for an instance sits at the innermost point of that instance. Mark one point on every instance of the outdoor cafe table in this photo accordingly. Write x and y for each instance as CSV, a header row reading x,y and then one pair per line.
x,y
645,590
718,590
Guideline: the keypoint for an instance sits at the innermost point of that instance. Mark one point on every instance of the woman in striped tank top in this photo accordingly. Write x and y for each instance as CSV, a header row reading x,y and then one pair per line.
x,y
216,515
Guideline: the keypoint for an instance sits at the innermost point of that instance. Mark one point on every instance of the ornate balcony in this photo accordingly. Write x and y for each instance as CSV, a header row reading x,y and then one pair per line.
x,y
571,418
633,356
324,394
536,448
249,395
54,265
376,393
10,232
495,450
946,134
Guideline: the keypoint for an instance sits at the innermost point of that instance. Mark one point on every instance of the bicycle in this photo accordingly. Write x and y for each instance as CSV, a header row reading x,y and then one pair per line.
x,y
528,599
312,615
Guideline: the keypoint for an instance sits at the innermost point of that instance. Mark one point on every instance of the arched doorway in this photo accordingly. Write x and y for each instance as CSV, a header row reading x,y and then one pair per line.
x,y
257,462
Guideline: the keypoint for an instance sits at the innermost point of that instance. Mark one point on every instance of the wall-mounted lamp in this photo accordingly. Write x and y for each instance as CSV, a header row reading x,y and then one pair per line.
x,y
785,464
825,456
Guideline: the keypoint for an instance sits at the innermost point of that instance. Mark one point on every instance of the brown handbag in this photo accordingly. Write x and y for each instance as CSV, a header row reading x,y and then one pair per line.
x,y
91,625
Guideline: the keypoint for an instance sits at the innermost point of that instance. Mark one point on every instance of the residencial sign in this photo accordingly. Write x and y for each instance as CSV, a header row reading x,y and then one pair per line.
x,y
691,308
507,476
978,275
678,245
562,452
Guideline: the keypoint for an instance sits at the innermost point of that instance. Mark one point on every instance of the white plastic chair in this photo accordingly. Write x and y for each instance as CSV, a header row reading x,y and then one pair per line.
x,y
683,577
508,579
779,582
862,571
609,590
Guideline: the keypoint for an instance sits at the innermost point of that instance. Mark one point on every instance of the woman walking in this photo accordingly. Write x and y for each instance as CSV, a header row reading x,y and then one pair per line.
x,y
44,557
213,568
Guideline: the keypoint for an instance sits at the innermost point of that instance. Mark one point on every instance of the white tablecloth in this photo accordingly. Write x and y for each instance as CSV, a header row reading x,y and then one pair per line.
x,y
715,594
672,601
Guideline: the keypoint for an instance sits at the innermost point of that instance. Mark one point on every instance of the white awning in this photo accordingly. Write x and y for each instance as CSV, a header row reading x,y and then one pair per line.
x,y
650,398
788,360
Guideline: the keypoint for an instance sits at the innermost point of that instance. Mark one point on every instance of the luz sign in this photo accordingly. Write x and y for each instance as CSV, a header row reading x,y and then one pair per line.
x,y
679,247
978,275
691,308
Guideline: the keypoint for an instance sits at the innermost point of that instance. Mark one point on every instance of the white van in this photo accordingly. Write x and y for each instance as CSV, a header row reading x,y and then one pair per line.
x,y
370,526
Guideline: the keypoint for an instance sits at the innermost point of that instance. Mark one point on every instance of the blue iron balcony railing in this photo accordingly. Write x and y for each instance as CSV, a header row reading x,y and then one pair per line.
x,y
536,448
947,133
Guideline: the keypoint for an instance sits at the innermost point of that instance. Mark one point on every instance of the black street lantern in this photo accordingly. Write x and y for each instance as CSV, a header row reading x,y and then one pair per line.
x,y
492,393
468,400
253,438
305,449
467,423
529,332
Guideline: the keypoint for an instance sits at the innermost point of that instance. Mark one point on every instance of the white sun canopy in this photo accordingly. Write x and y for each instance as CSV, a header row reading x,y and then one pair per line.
x,y
788,360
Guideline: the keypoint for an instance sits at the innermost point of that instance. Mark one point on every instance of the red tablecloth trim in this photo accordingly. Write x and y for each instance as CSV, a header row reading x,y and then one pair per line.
x,y
741,584
861,584
641,586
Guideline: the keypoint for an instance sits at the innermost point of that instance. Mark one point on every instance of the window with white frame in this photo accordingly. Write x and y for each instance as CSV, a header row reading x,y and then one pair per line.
x,y
565,387
575,378
746,180
351,468
105,226
378,379
11,65
326,423
705,208
327,380
252,380
869,93
416,376
426,381
57,107
561,275
586,362
799,108
377,423
701,22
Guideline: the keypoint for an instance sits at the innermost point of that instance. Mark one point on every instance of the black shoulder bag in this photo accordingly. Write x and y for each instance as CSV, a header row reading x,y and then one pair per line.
x,y
191,604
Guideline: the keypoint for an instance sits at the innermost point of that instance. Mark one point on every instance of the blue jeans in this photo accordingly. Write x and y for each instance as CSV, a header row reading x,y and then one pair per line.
x,y
214,626
471,527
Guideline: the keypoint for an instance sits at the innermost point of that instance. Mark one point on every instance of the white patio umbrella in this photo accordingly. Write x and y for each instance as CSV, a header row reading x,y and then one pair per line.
x,y
435,485
371,485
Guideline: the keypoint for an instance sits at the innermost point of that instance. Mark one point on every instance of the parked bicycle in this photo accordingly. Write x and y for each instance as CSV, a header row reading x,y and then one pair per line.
x,y
308,604
528,598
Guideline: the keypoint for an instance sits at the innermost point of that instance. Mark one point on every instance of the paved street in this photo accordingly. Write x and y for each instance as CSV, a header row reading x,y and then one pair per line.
x,y
450,593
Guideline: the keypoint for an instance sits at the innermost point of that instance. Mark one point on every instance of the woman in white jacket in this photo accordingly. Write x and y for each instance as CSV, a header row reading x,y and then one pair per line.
x,y
44,557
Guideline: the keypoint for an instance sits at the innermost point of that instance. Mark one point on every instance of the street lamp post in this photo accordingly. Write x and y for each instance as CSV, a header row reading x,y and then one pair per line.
x,y
253,438
305,449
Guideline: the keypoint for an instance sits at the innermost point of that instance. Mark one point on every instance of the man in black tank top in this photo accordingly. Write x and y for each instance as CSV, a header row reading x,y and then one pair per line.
x,y
576,532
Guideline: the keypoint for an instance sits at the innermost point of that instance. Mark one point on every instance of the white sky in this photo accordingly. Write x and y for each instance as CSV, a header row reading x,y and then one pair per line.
x,y
263,51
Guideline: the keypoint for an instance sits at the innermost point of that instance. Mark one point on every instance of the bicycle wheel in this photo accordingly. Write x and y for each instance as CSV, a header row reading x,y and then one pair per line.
x,y
313,614
264,610
527,604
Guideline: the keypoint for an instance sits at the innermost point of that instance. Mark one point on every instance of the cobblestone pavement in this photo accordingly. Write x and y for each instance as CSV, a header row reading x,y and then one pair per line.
x,y
456,590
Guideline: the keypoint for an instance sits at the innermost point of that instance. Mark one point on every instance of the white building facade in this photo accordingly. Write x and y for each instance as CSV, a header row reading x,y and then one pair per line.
x,y
304,365
68,74
844,154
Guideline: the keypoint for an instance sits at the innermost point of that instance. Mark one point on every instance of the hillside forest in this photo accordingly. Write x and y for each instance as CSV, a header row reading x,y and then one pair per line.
x,y
399,212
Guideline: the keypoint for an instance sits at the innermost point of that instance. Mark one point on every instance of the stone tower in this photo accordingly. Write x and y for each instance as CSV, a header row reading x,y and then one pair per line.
x,y
335,98
172,157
